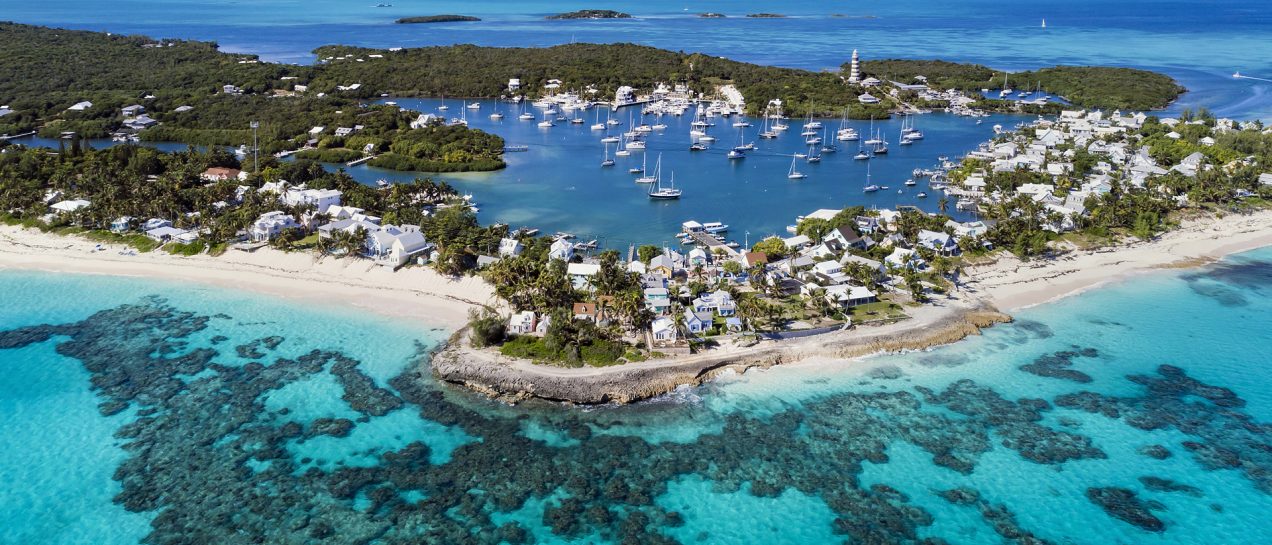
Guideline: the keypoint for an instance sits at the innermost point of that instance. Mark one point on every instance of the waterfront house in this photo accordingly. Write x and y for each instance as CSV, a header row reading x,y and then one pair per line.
x,y
394,246
155,223
580,274
522,323
967,229
867,224
829,272
795,264
797,242
561,249
510,247
589,311
941,243
637,266
121,224
66,207
270,224
697,322
867,98
663,330
751,259
697,257
165,234
850,296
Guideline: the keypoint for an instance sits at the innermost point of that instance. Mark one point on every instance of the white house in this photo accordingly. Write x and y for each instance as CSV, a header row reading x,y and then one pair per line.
x,y
842,238
320,199
80,106
270,224
164,234
580,274
561,249
879,269
796,242
719,302
66,207
663,330
850,296
510,247
904,258
121,224
521,323
938,242
393,245
831,272
697,322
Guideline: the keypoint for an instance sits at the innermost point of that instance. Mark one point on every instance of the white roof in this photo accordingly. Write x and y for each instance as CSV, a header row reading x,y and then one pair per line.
x,y
70,206
582,269
822,214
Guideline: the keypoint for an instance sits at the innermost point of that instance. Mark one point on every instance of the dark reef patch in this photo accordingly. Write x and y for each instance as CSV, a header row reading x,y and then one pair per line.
x,y
1159,484
1058,365
212,464
1124,505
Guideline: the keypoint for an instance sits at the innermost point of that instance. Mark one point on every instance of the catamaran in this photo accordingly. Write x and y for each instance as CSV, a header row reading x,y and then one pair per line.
x,y
658,192
795,174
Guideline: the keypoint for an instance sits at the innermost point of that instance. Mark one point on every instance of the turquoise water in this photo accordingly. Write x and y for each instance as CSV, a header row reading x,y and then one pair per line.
x,y
1136,413
1199,43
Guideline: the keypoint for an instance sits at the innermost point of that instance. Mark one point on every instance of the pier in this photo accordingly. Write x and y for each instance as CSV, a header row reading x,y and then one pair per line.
x,y
11,137
710,244
359,161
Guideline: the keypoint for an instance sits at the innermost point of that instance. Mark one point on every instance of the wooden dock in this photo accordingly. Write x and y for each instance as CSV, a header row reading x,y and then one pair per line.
x,y
359,161
710,244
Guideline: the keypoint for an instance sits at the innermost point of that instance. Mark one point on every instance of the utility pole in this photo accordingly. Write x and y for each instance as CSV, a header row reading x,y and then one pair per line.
x,y
256,158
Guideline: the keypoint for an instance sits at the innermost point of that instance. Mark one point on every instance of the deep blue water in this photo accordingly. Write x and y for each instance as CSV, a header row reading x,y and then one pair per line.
x,y
1136,413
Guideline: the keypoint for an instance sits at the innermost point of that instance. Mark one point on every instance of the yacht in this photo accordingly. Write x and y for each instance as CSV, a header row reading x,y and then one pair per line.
x,y
706,138
714,227
497,116
870,188
861,155
610,140
911,182
795,174
735,154
921,195
658,192
697,146
636,144
474,105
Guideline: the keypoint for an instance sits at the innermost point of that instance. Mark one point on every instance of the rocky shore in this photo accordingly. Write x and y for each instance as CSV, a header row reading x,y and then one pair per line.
x,y
513,380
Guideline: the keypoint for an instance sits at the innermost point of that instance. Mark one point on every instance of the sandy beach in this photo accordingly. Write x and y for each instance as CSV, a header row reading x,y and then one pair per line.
x,y
1010,284
415,293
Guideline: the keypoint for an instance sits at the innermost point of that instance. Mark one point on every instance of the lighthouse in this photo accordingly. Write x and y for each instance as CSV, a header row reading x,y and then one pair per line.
x,y
854,74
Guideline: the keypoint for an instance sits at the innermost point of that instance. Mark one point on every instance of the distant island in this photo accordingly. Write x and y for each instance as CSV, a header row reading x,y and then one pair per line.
x,y
765,15
592,14
436,19
710,15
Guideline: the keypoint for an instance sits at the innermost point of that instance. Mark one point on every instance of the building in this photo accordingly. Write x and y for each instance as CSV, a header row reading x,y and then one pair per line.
x,y
561,249
658,300
393,245
854,72
320,199
662,264
80,106
664,330
719,302
880,271
938,242
165,234
580,274
850,296
697,322
221,174
522,323
842,238
270,224
66,207
133,111
510,247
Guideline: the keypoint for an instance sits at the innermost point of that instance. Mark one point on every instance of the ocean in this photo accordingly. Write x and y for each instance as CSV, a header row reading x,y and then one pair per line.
x,y
137,411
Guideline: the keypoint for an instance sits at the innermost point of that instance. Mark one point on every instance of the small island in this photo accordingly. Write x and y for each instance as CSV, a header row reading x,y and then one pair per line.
x,y
436,19
592,14
711,15
766,15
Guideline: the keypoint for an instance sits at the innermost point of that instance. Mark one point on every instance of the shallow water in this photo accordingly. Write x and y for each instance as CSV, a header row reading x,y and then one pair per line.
x,y
1136,413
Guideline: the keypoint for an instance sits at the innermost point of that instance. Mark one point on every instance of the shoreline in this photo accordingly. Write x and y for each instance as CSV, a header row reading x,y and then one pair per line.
x,y
416,294
987,294
423,296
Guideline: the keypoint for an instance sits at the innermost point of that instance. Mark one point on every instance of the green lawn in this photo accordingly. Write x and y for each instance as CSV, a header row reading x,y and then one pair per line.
x,y
874,312
600,353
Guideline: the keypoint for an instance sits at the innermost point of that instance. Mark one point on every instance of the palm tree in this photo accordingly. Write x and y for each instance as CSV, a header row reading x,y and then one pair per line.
x,y
943,204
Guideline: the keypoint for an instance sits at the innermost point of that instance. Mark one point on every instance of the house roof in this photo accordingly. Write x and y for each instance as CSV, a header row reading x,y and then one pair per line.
x,y
582,269
585,309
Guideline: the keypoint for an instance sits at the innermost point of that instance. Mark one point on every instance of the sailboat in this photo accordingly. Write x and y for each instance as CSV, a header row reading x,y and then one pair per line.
x,y
648,179
870,188
443,107
795,174
641,168
547,122
658,192
1006,91
765,131
1044,23
622,149
598,126
811,157
827,145
496,115
607,162
525,116
882,147
873,140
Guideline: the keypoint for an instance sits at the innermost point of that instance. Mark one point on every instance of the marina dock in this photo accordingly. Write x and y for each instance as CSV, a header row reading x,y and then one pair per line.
x,y
710,244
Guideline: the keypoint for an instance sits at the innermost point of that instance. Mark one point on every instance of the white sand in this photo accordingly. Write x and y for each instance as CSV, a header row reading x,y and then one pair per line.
x,y
1010,284
415,293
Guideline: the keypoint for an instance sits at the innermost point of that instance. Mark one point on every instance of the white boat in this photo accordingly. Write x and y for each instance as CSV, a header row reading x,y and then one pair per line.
x,y
706,138
870,188
658,192
714,227
610,140
622,150
474,105
636,144
735,154
496,116
795,174
658,127
648,179
921,195
607,162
